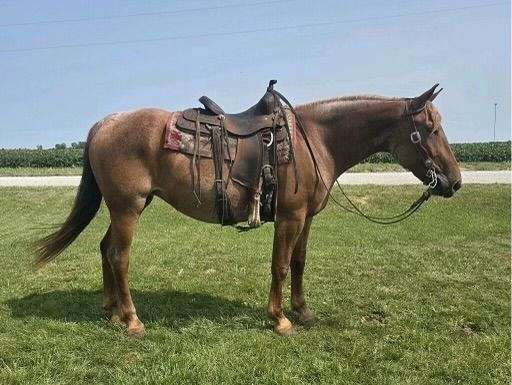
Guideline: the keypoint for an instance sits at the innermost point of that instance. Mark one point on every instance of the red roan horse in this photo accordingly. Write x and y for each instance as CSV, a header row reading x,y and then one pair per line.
x,y
125,163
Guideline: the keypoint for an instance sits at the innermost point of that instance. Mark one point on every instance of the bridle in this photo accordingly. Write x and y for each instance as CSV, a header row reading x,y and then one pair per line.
x,y
416,139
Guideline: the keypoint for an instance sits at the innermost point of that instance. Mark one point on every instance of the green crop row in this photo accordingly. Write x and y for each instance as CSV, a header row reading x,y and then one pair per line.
x,y
41,158
482,152
70,157
464,152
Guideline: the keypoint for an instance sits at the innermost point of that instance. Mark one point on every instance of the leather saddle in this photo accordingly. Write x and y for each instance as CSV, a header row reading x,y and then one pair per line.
x,y
248,141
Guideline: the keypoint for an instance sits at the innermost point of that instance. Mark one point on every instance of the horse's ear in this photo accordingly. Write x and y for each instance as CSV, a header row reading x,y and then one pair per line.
x,y
434,95
419,101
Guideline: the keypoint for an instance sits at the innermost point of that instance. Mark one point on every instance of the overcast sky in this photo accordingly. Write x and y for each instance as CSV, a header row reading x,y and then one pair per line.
x,y
64,65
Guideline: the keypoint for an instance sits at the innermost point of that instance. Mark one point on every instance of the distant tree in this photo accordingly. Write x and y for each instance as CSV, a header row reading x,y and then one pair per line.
x,y
60,146
39,147
78,145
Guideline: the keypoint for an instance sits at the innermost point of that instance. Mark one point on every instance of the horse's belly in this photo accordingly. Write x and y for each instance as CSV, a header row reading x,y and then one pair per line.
x,y
176,186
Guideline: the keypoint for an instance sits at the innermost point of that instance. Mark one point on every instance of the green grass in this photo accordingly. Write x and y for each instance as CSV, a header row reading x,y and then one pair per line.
x,y
466,166
362,167
422,302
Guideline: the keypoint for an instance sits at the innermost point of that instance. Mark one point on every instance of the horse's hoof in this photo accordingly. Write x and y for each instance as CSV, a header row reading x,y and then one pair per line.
x,y
137,331
116,320
254,223
306,317
284,328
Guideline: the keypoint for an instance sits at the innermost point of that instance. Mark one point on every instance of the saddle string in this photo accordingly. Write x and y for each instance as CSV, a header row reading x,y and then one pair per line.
x,y
379,220
196,159
274,152
224,138
221,164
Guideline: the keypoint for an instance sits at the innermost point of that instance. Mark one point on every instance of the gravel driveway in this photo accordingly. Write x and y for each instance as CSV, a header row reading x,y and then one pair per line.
x,y
351,178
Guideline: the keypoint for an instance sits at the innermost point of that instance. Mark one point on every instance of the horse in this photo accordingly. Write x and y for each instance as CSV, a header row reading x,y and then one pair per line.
x,y
126,165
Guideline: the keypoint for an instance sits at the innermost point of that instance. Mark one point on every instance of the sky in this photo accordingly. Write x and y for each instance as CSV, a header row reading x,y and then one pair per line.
x,y
65,65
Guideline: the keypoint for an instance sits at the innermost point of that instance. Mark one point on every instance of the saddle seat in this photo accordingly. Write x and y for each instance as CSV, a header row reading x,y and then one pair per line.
x,y
249,122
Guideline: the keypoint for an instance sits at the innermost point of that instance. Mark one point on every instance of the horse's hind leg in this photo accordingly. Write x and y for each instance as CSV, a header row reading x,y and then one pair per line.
x,y
110,298
109,290
120,237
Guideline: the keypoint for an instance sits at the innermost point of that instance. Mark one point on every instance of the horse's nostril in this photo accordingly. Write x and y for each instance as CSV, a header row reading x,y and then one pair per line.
x,y
457,185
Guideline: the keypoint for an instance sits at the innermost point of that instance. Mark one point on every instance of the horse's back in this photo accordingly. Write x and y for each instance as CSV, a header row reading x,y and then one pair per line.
x,y
131,132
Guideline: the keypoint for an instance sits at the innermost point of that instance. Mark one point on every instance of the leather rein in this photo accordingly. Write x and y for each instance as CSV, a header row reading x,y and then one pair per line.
x,y
416,139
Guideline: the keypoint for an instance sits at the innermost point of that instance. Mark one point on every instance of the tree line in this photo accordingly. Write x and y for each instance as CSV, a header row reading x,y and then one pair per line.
x,y
63,146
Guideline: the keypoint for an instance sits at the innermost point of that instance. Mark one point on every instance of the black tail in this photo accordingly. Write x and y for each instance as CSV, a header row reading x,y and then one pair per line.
x,y
87,203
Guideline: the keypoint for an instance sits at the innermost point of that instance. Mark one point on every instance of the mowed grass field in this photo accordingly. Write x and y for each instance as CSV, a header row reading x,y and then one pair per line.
x,y
426,301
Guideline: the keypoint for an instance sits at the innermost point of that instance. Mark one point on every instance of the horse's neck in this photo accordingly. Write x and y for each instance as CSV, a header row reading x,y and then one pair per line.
x,y
351,130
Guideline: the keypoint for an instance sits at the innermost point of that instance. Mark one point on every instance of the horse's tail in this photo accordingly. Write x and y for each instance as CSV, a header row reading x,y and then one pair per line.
x,y
87,202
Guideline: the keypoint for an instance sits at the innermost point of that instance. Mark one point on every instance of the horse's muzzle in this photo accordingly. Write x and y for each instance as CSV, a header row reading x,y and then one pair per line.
x,y
445,188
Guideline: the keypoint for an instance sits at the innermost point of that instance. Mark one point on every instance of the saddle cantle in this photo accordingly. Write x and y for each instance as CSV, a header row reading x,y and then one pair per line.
x,y
253,142
250,121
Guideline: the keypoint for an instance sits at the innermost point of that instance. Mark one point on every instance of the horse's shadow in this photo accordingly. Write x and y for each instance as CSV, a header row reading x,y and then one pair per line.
x,y
171,308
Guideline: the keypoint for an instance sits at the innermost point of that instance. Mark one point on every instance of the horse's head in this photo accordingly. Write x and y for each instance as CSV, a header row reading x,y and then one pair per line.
x,y
421,145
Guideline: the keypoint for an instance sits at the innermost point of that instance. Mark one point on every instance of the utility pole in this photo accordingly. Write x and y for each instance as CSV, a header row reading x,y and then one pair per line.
x,y
494,129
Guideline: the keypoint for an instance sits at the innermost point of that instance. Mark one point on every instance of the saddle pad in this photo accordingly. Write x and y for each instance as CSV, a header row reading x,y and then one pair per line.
x,y
184,142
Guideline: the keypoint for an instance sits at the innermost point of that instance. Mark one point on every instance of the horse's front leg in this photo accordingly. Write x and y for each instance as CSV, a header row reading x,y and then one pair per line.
x,y
297,264
286,232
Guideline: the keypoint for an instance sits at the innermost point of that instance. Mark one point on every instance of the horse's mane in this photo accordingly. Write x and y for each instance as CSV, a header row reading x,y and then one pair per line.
x,y
326,106
345,100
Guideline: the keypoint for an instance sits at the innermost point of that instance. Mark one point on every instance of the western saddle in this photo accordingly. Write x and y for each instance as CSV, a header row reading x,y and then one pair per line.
x,y
251,142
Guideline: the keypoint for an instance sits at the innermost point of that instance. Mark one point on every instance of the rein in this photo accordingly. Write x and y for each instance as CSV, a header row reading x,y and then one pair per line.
x,y
416,139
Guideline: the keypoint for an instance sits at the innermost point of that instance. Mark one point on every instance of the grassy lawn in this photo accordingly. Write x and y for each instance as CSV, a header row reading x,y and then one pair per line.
x,y
362,167
421,302
466,166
